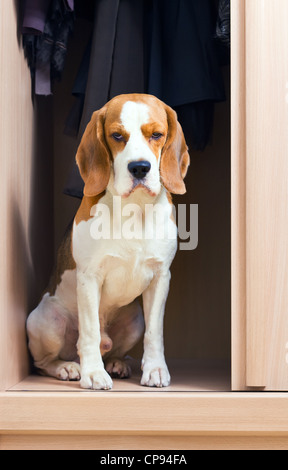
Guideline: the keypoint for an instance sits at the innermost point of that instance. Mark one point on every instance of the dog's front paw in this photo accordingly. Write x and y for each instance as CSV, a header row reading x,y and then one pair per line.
x,y
96,380
155,375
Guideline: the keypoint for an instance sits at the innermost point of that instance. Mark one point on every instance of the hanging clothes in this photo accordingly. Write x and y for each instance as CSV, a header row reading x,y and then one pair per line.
x,y
46,28
184,66
117,44
116,66
166,48
184,69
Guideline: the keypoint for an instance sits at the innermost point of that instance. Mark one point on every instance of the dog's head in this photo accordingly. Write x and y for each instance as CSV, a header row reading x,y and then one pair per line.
x,y
140,139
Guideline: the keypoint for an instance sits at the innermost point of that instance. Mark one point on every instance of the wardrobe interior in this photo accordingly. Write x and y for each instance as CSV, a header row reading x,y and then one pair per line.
x,y
198,313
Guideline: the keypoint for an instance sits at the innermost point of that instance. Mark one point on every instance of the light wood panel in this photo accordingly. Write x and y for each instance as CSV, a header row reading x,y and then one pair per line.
x,y
238,194
130,443
26,196
16,143
260,194
134,413
267,193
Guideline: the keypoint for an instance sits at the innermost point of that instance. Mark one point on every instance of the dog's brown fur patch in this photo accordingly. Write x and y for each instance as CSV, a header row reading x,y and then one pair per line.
x,y
65,261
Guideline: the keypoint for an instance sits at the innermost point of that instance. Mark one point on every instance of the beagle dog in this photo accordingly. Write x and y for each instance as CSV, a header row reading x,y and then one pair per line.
x,y
90,316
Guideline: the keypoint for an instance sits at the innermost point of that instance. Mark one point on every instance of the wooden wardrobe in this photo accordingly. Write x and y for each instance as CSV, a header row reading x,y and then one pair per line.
x,y
226,329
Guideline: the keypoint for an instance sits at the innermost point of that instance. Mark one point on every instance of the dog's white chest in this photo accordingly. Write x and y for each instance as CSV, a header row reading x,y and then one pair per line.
x,y
125,278
124,265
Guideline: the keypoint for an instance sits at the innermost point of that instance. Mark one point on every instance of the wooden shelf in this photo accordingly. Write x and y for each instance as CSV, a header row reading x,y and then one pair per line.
x,y
187,376
198,411
133,420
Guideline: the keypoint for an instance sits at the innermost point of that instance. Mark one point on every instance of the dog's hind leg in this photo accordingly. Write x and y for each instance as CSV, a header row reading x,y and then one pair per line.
x,y
52,341
125,332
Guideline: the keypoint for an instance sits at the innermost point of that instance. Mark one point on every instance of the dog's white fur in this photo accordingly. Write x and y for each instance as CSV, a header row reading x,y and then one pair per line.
x,y
98,297
133,116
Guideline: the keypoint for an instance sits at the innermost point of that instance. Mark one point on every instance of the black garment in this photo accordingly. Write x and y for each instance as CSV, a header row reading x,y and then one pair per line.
x,y
223,22
197,120
117,44
184,67
74,118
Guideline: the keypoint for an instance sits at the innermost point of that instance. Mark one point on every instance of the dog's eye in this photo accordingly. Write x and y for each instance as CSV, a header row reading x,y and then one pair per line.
x,y
156,135
118,137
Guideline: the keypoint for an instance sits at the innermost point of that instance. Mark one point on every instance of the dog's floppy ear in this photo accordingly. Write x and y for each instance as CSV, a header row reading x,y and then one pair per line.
x,y
175,158
93,158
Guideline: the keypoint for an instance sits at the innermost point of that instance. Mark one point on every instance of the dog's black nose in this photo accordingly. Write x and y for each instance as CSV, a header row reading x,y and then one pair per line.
x,y
139,169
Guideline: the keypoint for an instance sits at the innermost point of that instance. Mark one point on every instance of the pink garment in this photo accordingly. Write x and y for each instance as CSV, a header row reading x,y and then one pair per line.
x,y
35,14
69,4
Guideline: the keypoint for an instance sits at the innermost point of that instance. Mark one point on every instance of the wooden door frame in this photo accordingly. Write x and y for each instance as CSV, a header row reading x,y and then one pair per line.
x,y
259,88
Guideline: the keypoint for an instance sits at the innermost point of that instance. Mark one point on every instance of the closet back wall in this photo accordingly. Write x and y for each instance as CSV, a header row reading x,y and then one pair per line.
x,y
198,313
